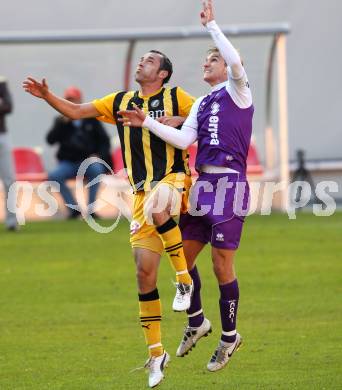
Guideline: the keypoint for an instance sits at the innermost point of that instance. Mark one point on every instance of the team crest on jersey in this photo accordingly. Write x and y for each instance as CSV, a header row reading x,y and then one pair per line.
x,y
215,108
155,103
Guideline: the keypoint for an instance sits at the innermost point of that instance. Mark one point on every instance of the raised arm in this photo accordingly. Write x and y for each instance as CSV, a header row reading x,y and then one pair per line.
x,y
180,139
65,107
227,50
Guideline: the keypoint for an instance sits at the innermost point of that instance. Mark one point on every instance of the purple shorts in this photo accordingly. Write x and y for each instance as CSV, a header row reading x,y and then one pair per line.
x,y
218,205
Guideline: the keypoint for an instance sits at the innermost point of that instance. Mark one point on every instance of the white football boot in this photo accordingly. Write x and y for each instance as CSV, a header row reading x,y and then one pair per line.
x,y
183,296
156,365
223,353
191,336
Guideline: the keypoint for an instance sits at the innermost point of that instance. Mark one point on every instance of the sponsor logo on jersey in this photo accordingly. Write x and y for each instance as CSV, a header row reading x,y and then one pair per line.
x,y
213,124
156,114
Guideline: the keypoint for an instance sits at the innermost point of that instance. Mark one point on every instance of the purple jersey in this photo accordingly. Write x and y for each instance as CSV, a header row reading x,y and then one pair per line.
x,y
224,132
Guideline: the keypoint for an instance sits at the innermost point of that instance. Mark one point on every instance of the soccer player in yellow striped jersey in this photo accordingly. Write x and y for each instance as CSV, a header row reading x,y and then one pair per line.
x,y
160,178
147,158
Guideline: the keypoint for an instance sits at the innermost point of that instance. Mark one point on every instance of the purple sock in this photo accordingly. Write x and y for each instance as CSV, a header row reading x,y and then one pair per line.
x,y
196,305
229,301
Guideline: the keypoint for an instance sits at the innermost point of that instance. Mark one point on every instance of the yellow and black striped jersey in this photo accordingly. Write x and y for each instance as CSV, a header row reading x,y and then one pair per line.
x,y
147,158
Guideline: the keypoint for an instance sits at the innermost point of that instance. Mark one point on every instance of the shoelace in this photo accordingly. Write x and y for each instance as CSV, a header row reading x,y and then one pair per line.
x,y
148,365
188,332
219,354
180,290
137,369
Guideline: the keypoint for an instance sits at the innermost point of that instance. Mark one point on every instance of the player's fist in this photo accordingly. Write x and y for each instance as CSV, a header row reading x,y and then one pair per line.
x,y
133,118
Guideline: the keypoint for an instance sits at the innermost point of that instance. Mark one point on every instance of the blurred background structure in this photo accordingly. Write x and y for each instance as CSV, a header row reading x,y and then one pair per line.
x,y
313,65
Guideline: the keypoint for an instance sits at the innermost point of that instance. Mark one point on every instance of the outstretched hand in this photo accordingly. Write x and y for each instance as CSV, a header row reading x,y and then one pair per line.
x,y
207,14
36,88
134,118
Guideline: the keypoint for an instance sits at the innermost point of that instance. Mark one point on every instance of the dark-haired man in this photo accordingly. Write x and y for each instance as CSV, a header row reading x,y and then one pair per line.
x,y
160,178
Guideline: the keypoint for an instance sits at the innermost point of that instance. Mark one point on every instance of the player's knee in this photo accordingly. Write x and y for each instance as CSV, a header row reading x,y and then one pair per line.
x,y
143,272
224,272
218,269
145,277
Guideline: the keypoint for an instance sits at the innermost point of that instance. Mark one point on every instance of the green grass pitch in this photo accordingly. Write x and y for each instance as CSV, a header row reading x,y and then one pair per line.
x,y
69,310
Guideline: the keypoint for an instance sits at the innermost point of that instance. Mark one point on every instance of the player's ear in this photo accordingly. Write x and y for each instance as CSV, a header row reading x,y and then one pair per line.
x,y
163,74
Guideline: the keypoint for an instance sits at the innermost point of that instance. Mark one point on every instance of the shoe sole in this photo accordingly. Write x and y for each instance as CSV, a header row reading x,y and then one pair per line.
x,y
180,311
238,346
157,384
194,345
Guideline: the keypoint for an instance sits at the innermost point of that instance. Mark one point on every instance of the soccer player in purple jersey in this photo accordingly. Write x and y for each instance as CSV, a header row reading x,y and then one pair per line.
x,y
222,123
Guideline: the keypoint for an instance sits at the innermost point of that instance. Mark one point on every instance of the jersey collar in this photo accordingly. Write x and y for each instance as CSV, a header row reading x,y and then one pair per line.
x,y
152,94
218,86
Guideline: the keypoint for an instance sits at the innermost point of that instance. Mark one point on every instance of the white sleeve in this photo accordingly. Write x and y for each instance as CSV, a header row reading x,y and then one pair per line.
x,y
238,86
227,50
180,139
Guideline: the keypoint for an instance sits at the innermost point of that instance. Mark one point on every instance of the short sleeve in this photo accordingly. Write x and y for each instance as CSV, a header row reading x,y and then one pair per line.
x,y
191,120
105,107
185,102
